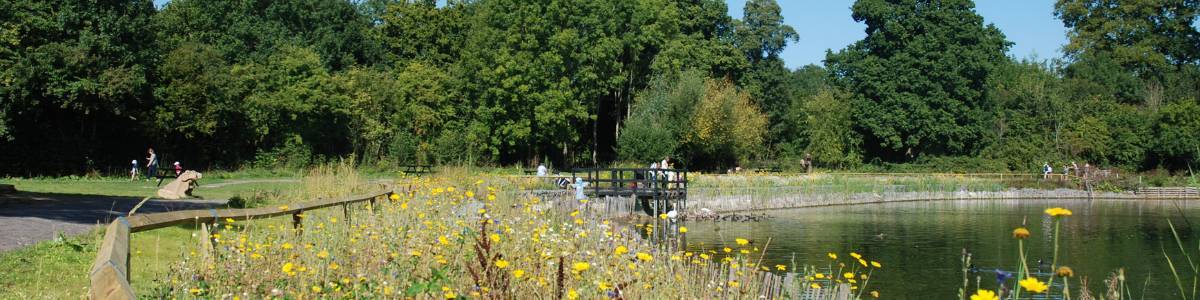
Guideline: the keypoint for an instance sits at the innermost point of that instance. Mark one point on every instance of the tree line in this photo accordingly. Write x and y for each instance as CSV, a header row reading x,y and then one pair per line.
x,y
89,85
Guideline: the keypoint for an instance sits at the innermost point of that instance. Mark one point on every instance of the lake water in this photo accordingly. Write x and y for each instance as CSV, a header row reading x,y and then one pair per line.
x,y
920,243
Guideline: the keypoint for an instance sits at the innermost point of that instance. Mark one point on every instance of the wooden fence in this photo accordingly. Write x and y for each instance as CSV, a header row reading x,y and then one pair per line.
x,y
110,272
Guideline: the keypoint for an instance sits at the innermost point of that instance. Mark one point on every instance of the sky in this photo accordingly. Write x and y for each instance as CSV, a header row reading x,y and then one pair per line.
x,y
826,24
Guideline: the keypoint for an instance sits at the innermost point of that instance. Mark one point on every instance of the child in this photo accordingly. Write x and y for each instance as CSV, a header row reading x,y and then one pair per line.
x,y
133,172
178,169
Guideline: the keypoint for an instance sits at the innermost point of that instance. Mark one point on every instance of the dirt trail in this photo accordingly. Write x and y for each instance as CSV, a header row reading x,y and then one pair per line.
x,y
27,218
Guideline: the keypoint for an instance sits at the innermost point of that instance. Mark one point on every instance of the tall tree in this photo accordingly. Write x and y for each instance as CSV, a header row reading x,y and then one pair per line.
x,y
1144,37
919,76
761,36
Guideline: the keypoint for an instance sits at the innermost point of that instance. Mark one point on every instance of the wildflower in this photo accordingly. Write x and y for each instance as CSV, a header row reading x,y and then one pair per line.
x,y
491,197
662,216
1034,285
581,266
286,246
621,250
415,252
500,263
742,241
733,283
451,295
1064,271
572,294
333,266
875,294
518,273
862,262
494,237
815,286
470,194
1058,212
644,256
781,267
682,229
848,275
984,295
288,268
855,255
1020,233
229,220
819,276
727,250
832,255
323,254
394,197
316,289
876,264
442,240
195,291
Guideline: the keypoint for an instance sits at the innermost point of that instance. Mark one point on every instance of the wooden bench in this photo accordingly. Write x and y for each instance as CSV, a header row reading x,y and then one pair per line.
x,y
1168,192
417,169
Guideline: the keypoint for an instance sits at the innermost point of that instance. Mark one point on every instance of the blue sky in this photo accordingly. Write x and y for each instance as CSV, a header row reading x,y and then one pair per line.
x,y
826,24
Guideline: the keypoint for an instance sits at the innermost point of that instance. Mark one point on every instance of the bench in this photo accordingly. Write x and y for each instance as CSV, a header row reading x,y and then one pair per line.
x,y
417,169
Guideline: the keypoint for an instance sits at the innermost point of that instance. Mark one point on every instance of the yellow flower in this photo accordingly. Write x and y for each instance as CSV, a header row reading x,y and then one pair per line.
x,y
286,246
662,216
394,197
1020,233
1034,285
195,291
644,256
288,268
494,237
875,294
316,289
727,250
414,252
470,194
742,241
442,240
855,255
621,250
815,286
862,262
984,295
819,276
451,295
876,264
572,294
323,254
1064,271
832,255
682,229
581,266
1058,212
518,273
781,267
500,263
848,275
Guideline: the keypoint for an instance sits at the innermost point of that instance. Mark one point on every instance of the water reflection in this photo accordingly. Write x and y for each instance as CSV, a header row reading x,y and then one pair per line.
x,y
921,243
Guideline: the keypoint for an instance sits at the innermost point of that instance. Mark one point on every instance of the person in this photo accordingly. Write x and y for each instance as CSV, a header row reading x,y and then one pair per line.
x,y
580,185
133,172
178,169
541,170
1066,170
151,164
1046,169
653,174
807,163
1075,167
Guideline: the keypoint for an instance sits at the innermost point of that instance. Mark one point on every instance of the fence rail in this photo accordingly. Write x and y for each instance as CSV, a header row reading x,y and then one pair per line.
x,y
110,271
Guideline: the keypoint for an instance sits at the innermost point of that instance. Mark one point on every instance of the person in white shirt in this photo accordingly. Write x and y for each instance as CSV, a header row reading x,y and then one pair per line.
x,y
541,170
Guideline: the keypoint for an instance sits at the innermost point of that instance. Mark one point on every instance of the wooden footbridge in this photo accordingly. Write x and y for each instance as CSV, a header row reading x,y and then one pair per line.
x,y
656,191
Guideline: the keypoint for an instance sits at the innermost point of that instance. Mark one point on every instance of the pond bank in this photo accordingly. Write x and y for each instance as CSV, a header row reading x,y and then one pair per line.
x,y
741,200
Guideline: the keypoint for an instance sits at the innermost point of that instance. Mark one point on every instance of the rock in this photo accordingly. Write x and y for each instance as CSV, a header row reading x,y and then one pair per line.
x,y
181,187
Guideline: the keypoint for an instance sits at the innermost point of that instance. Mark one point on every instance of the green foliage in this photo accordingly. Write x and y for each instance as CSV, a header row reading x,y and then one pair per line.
x,y
919,76
1178,133
726,127
1143,37
828,128
660,117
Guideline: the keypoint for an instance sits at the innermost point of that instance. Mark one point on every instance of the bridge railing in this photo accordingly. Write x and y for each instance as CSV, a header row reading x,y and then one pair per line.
x,y
110,271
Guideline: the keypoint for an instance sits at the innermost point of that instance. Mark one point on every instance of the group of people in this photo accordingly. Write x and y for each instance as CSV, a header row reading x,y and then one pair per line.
x,y
151,166
666,165
1067,169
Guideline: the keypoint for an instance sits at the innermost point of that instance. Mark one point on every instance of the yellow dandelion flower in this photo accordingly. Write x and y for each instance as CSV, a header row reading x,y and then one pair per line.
x,y
819,276
815,286
1034,285
781,267
470,194
414,252
1058,212
494,237
572,294
518,273
286,246
1064,271
621,250
316,289
876,264
855,255
682,229
333,266
644,256
394,197
984,295
289,268
741,241
848,275
500,263
727,250
875,294
1020,233
323,254
581,266
832,255
451,295
443,240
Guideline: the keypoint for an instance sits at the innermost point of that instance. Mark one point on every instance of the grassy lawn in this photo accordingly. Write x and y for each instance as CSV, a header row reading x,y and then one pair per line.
x,y
225,189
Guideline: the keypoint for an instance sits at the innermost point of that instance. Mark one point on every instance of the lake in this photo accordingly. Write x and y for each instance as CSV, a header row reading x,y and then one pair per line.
x,y
920,243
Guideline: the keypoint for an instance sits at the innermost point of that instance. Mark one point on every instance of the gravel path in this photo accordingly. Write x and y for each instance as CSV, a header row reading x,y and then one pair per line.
x,y
27,218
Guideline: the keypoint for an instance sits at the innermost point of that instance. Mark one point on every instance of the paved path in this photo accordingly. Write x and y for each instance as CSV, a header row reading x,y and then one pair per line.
x,y
244,181
27,218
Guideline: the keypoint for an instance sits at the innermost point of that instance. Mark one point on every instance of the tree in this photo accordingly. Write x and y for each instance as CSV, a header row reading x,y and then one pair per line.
x,y
1144,37
726,127
1178,134
919,76
828,128
761,36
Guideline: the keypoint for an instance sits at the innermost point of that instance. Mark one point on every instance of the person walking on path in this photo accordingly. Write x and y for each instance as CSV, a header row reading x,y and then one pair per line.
x,y
133,172
151,164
